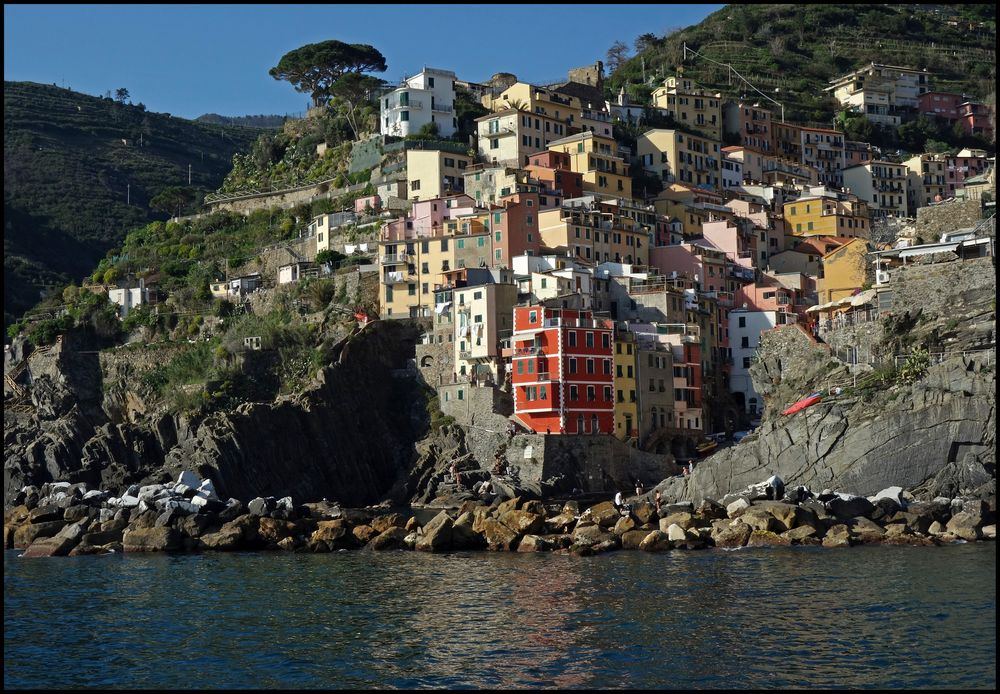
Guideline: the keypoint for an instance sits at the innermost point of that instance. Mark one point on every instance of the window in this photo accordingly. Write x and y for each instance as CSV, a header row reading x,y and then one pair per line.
x,y
415,185
744,341
591,393
542,395
607,367
423,288
520,366
743,321
405,116
412,289
572,338
621,398
573,393
590,339
572,365
607,394
590,366
746,362
618,370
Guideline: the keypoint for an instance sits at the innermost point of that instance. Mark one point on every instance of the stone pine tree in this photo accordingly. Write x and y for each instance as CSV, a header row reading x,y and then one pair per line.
x,y
315,67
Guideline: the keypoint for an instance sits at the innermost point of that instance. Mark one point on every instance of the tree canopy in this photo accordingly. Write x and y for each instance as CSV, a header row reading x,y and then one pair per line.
x,y
315,67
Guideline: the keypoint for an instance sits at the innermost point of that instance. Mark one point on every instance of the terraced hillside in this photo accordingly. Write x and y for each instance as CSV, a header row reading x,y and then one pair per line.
x,y
80,171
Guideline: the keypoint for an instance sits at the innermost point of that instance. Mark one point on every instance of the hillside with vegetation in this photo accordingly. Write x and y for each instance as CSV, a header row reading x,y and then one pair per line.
x,y
80,171
790,52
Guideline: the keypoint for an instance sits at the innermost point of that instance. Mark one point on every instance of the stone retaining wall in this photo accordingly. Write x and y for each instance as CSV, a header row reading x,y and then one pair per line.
x,y
934,220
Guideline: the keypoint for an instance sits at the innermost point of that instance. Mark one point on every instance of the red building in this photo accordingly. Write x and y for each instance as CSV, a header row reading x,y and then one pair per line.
x,y
562,371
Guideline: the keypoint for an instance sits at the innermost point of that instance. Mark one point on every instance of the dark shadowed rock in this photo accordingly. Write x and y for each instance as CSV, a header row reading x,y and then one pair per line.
x,y
851,507
710,509
45,514
58,545
735,534
498,536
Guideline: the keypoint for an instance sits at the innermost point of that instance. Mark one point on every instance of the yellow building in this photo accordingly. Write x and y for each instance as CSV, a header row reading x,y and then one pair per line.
x,y
833,215
434,173
596,158
691,105
626,400
524,120
410,270
842,271
595,233
675,156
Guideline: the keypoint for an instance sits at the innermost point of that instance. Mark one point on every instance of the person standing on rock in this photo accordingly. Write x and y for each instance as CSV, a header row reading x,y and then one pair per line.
x,y
659,501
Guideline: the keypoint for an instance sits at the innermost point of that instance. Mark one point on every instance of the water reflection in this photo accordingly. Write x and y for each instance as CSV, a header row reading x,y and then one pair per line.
x,y
805,617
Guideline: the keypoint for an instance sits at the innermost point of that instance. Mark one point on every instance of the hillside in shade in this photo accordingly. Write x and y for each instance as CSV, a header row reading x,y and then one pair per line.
x,y
80,171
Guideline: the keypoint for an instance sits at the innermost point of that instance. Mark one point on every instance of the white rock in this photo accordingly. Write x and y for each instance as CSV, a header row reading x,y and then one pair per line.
x,y
189,478
675,533
285,503
105,514
129,501
207,489
150,489
114,502
58,486
990,531
737,506
182,488
58,495
94,493
198,500
894,493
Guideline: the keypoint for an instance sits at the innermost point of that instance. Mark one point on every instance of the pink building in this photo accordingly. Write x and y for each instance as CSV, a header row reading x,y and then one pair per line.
x,y
426,218
372,201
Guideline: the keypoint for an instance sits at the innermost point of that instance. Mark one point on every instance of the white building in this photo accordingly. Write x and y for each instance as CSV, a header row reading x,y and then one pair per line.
x,y
745,328
428,97
127,298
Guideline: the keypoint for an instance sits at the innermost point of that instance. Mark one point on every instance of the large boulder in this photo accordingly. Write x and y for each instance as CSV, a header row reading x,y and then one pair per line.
x,y
838,535
391,538
966,525
523,522
605,514
633,538
26,534
683,519
534,543
846,506
729,534
331,535
786,515
58,545
766,538
151,540
644,512
390,520
866,531
463,534
436,535
498,536
759,518
655,541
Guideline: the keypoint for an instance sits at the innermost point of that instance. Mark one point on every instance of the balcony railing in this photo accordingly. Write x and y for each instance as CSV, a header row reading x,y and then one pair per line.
x,y
529,350
394,259
443,108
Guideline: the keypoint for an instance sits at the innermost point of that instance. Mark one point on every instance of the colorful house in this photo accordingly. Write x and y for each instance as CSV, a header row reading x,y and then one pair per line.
x,y
561,371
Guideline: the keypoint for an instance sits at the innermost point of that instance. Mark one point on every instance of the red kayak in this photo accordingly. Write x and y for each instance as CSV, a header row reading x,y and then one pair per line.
x,y
803,404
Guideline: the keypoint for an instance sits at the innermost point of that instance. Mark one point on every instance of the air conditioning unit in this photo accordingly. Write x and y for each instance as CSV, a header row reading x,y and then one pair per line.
x,y
882,277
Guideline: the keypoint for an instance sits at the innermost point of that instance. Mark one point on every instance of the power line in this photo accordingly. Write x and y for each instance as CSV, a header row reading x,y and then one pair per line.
x,y
732,71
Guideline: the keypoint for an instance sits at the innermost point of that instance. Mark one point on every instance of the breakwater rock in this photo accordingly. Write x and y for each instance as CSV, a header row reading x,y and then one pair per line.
x,y
187,515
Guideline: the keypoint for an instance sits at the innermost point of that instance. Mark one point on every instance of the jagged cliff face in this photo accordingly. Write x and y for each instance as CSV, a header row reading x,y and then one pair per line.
x,y
943,425
935,435
349,438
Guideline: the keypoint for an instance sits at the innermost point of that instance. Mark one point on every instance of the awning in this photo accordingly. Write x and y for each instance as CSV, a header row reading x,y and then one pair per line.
x,y
865,297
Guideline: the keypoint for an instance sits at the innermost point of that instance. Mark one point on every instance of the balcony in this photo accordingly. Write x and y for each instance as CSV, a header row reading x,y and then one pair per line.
x,y
412,104
528,351
442,108
397,278
394,259
465,354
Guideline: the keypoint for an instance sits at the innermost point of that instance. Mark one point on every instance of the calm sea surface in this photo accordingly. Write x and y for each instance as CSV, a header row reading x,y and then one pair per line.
x,y
897,617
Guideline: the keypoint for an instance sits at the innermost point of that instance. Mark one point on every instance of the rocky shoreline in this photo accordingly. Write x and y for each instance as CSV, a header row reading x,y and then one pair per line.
x,y
61,519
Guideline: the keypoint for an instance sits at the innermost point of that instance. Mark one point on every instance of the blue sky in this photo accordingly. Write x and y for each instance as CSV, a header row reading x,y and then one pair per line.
x,y
195,59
